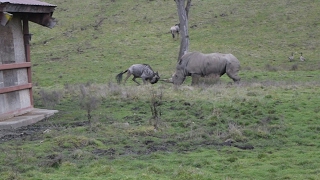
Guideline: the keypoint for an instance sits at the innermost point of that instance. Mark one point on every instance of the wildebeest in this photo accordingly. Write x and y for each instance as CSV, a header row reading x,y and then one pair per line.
x,y
196,65
143,71
175,30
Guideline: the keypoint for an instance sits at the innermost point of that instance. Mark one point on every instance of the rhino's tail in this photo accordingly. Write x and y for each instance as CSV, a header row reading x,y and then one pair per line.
x,y
119,76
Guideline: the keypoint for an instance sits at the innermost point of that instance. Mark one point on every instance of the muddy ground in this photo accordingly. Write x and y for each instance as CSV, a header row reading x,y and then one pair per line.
x,y
35,131
32,132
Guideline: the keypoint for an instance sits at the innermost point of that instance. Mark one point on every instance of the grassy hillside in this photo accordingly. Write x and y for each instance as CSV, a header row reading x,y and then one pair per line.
x,y
266,127
98,39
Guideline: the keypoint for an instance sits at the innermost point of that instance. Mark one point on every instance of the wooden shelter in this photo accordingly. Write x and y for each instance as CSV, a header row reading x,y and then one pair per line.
x,y
15,65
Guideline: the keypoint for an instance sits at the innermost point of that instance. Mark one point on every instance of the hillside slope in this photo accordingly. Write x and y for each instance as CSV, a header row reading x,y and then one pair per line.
x,y
98,39
265,127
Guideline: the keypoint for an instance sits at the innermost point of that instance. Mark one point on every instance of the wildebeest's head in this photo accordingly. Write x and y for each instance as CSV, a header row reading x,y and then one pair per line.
x,y
155,78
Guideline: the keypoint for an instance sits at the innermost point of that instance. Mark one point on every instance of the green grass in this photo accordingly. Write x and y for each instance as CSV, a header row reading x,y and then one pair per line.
x,y
274,109
279,121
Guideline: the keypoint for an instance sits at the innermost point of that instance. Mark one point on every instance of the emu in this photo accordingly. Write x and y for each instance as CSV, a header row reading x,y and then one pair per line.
x,y
175,30
143,71
291,58
302,58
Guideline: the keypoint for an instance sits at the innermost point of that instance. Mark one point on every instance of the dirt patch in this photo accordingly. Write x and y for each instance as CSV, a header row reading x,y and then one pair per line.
x,y
102,152
20,133
32,131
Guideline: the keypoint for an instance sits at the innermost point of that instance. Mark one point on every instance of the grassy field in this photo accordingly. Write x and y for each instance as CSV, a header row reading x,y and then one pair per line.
x,y
266,127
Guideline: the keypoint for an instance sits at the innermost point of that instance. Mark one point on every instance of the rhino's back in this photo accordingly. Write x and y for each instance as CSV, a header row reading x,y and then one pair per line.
x,y
205,64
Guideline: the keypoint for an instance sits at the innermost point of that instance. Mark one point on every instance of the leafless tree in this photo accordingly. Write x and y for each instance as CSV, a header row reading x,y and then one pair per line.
x,y
183,13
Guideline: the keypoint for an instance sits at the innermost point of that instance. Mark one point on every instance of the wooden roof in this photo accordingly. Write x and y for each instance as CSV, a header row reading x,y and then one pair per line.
x,y
27,2
35,11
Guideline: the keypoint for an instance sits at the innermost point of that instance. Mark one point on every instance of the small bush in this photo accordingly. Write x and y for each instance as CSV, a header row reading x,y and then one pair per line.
x,y
155,102
53,160
114,89
232,159
50,98
235,132
270,68
155,169
252,94
294,67
11,175
88,101
72,142
262,155
189,173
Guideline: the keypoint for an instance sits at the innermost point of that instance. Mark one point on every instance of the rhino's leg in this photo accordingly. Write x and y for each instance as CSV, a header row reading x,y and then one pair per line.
x,y
195,79
212,78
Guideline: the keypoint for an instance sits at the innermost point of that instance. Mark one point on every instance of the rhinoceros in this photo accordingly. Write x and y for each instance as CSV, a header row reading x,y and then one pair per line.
x,y
196,64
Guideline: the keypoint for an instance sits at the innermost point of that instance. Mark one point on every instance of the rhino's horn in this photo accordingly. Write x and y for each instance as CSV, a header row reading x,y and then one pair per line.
x,y
167,80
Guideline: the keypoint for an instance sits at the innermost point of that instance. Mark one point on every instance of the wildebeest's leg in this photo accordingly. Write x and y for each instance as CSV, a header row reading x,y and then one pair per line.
x,y
195,79
128,75
134,79
144,81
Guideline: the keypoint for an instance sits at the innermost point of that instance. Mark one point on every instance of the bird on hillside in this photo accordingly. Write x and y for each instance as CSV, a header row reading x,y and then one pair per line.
x,y
302,58
291,58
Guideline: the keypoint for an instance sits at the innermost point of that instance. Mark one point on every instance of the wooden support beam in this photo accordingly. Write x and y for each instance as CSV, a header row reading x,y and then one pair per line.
x,y
15,66
15,88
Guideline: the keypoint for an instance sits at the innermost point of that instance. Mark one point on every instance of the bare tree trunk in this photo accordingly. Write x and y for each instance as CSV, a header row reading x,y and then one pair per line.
x,y
183,19
188,7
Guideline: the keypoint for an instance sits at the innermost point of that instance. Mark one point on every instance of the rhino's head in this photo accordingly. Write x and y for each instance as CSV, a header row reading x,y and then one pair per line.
x,y
178,78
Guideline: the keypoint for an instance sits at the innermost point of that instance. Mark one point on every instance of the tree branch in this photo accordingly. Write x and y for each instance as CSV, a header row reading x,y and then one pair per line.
x,y
188,7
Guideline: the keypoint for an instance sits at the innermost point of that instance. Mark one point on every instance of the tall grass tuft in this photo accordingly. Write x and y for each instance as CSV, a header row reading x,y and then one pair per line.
x,y
235,132
88,101
294,67
155,102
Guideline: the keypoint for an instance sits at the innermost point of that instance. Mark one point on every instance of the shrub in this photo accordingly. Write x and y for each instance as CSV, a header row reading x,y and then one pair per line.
x,y
50,99
235,132
270,68
294,67
88,101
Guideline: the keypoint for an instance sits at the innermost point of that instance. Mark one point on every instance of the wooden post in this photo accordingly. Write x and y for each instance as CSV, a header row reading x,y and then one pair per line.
x,y
27,37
